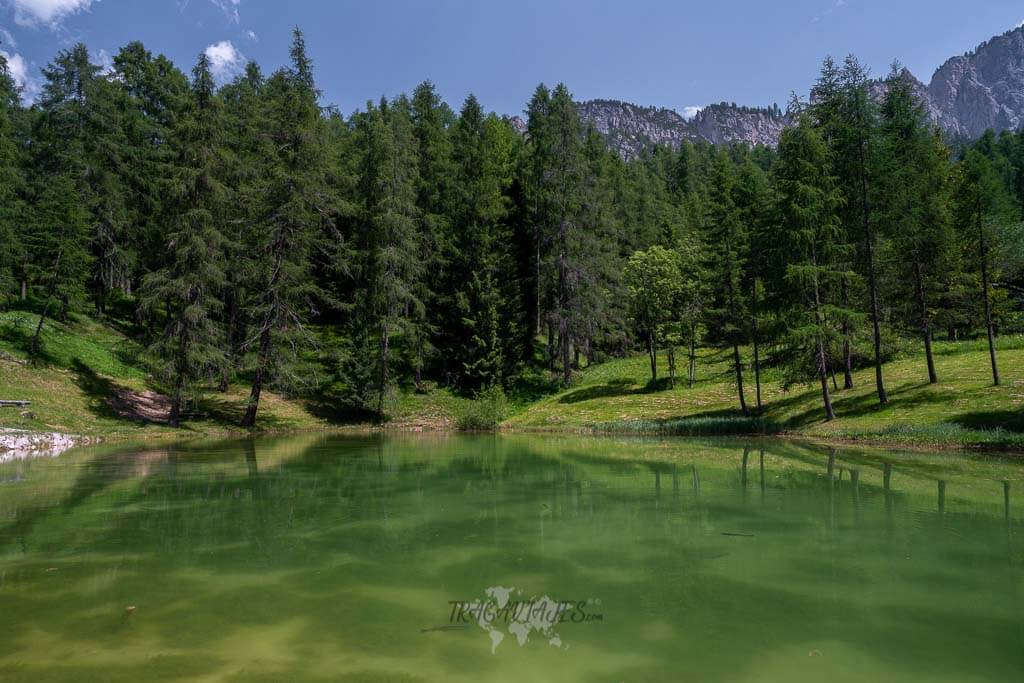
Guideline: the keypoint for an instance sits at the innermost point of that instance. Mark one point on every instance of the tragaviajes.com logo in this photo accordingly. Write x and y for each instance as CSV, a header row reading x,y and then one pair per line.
x,y
505,611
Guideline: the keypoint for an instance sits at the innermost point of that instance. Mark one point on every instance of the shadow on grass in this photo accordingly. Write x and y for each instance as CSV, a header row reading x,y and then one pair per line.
x,y
622,386
862,405
1010,420
114,401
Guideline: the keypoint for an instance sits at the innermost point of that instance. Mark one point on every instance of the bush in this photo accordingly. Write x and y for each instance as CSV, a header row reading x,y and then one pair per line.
x,y
487,410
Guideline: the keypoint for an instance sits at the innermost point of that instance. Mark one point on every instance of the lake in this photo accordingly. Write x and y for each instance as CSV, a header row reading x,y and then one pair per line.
x,y
510,558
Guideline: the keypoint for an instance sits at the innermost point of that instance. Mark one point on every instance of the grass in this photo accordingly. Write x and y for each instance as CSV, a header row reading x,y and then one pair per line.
x,y
83,365
964,410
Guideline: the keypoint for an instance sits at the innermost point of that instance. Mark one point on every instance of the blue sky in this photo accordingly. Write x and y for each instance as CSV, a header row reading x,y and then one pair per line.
x,y
674,54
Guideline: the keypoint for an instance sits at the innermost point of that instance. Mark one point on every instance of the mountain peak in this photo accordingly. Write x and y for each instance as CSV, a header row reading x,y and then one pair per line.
x,y
967,95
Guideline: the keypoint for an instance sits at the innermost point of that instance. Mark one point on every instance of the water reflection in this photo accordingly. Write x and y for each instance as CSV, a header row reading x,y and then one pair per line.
x,y
318,558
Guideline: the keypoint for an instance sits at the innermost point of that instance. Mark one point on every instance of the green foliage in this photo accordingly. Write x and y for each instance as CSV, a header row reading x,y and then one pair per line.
x,y
485,412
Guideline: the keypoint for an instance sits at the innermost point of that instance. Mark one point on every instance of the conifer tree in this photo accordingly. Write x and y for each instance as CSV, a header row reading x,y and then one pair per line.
x,y
192,279
295,204
808,250
482,174
914,200
981,201
11,182
856,147
390,240
726,247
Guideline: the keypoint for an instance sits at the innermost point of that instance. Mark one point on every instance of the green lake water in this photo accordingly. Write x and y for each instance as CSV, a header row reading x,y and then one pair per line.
x,y
343,558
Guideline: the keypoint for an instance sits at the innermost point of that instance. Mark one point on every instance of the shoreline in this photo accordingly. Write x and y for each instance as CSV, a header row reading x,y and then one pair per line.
x,y
16,444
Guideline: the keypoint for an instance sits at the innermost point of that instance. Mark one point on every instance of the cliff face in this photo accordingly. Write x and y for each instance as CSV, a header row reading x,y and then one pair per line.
x,y
983,89
966,96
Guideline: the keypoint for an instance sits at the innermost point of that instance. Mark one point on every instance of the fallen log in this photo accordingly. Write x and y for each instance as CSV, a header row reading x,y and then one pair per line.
x,y
15,404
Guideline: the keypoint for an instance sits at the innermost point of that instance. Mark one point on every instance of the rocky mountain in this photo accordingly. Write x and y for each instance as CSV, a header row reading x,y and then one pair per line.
x,y
966,96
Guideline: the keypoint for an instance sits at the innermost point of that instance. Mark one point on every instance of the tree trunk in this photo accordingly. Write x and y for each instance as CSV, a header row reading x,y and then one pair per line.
x,y
34,346
179,382
983,247
739,379
563,348
385,352
822,363
757,369
847,349
671,353
652,354
692,367
262,358
24,289
926,326
869,240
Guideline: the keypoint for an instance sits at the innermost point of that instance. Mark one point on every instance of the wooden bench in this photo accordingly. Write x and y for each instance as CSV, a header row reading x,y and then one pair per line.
x,y
15,404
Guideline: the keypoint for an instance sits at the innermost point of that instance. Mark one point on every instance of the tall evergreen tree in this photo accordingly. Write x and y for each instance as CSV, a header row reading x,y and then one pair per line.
x,y
808,248
914,199
192,279
390,240
981,202
11,181
726,248
295,203
858,136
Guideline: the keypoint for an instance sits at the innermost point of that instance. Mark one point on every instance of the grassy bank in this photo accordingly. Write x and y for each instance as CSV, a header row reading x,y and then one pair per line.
x,y
92,380
964,410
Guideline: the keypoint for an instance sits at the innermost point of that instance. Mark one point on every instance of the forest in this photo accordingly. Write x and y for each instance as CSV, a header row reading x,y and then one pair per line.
x,y
249,235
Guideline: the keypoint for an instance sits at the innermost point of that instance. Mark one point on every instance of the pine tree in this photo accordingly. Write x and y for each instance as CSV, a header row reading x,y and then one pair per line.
x,y
191,343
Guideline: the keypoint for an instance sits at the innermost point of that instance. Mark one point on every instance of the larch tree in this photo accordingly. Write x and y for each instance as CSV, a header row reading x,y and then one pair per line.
x,y
980,203
809,244
726,244
294,205
914,200
390,239
189,285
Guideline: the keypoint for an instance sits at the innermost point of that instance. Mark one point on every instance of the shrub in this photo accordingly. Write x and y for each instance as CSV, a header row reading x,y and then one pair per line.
x,y
485,412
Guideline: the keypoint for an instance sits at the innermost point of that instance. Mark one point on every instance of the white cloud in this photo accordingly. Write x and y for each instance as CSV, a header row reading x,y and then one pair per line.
x,y
7,39
46,12
229,8
225,60
252,36
105,62
1019,25
689,112
19,70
